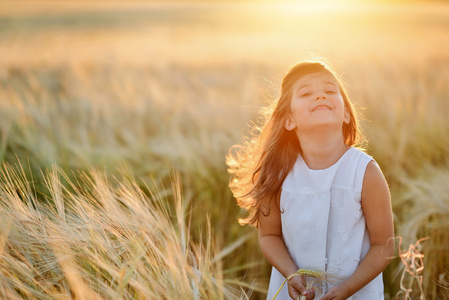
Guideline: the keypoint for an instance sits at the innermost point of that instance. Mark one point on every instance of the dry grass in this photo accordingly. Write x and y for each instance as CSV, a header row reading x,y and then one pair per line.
x,y
117,241
428,218
151,87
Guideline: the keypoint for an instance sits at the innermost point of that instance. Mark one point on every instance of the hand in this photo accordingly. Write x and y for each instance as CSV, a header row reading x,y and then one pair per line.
x,y
296,288
337,293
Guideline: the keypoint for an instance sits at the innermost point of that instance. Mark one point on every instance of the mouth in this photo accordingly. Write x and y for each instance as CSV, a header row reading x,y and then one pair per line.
x,y
322,107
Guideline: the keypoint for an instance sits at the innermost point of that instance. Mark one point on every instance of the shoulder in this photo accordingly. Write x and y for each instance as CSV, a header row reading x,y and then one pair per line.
x,y
373,172
374,180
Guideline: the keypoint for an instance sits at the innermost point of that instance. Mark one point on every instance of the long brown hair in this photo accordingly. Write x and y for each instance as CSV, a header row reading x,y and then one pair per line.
x,y
261,164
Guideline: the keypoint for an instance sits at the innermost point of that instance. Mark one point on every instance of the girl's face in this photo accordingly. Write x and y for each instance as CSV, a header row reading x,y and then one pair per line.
x,y
316,101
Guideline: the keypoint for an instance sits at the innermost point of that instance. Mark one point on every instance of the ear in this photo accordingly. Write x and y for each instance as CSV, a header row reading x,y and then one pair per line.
x,y
347,117
289,124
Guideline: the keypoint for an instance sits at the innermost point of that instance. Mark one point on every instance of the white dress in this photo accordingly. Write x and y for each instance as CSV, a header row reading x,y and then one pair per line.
x,y
323,225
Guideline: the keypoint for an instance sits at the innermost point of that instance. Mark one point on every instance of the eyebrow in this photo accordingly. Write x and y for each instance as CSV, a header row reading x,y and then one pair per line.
x,y
329,82
302,86
307,85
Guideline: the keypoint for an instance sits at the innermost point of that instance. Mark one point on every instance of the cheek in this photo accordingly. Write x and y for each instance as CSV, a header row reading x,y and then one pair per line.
x,y
298,113
298,105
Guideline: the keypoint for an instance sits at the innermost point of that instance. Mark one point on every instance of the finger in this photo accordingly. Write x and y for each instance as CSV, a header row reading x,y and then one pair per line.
x,y
311,295
297,290
297,285
302,290
293,292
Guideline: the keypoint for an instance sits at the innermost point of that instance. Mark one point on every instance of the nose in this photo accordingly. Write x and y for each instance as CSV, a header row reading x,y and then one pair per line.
x,y
320,96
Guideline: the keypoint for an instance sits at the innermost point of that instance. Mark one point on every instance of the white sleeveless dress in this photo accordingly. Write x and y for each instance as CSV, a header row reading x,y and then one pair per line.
x,y
323,224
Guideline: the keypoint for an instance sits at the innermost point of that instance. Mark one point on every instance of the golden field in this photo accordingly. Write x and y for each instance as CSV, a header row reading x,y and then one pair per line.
x,y
115,119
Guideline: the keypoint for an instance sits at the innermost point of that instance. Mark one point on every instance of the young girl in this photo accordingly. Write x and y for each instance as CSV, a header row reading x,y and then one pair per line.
x,y
318,202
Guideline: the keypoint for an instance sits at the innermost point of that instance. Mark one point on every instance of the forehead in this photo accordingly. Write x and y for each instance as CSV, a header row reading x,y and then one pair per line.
x,y
320,77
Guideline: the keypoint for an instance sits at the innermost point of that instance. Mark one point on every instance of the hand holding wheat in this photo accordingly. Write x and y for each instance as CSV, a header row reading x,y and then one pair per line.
x,y
297,288
297,282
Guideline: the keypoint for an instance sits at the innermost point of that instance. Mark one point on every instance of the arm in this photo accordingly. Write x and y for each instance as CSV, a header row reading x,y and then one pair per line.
x,y
376,206
274,249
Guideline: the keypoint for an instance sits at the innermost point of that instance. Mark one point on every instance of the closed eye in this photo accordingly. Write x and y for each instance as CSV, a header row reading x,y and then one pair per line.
x,y
330,92
305,94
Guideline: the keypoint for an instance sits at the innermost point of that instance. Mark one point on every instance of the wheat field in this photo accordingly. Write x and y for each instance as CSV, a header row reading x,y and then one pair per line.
x,y
115,119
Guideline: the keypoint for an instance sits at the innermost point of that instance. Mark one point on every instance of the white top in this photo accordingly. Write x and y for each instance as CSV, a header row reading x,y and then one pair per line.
x,y
323,225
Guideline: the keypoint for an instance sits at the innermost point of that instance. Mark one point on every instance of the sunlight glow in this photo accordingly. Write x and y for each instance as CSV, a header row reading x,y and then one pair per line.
x,y
321,5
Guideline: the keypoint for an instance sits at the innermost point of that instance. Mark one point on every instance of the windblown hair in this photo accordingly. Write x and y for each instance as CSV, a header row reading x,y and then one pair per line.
x,y
260,166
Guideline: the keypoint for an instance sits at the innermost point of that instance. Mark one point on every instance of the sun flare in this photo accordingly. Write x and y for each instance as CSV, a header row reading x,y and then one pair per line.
x,y
323,5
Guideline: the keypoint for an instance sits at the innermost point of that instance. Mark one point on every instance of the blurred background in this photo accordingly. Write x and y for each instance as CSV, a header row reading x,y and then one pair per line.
x,y
153,87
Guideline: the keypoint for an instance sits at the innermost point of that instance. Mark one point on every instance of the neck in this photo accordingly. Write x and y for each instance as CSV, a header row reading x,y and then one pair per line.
x,y
320,151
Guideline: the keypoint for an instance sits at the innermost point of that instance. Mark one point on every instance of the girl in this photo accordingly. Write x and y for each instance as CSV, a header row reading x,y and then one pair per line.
x,y
318,202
